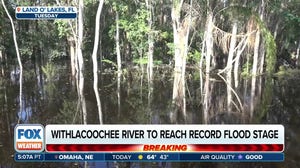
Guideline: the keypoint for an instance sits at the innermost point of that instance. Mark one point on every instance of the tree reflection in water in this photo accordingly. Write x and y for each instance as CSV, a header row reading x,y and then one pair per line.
x,y
56,102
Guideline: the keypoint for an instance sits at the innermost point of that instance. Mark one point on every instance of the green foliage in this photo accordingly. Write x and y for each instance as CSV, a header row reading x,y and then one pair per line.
x,y
133,22
68,113
88,2
137,30
56,54
270,45
110,62
171,47
266,99
52,74
62,27
194,56
195,76
237,12
50,71
246,69
142,61
28,74
25,51
165,35
291,17
287,74
164,49
119,5
270,52
157,62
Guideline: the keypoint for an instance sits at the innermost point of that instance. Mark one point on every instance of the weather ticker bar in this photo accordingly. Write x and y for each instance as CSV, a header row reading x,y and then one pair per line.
x,y
149,157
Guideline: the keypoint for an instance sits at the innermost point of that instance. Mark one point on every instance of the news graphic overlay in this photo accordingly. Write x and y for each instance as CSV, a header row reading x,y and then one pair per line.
x,y
29,138
45,12
197,143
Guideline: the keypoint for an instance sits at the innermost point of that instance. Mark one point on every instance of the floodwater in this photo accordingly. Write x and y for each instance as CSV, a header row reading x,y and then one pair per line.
x,y
50,97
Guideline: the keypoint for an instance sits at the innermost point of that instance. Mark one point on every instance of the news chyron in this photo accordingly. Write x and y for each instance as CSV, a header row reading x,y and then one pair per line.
x,y
45,12
149,143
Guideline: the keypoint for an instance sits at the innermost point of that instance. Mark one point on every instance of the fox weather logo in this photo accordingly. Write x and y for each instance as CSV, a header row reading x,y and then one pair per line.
x,y
29,138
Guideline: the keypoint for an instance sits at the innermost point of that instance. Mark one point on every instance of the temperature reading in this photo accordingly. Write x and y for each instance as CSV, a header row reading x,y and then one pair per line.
x,y
151,157
164,157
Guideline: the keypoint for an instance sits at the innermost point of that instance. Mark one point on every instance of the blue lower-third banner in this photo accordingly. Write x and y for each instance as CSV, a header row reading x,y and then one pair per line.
x,y
144,157
46,16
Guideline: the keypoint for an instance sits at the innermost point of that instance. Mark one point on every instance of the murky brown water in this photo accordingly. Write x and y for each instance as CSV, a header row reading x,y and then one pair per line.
x,y
51,99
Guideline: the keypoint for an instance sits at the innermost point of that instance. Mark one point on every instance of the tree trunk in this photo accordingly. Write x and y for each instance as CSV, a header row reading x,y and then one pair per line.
x,y
18,57
229,65
72,45
119,92
254,71
256,53
95,62
261,47
209,41
276,30
201,62
2,62
150,56
150,43
80,60
232,47
237,62
297,54
161,19
119,63
206,99
180,34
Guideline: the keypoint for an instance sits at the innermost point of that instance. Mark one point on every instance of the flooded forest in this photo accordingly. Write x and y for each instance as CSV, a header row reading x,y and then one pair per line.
x,y
152,62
